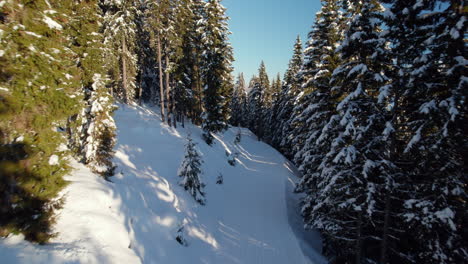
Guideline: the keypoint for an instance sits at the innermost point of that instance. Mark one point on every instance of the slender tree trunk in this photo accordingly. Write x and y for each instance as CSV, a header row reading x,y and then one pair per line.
x,y
124,70
168,92
359,239
392,156
140,94
383,250
161,88
174,110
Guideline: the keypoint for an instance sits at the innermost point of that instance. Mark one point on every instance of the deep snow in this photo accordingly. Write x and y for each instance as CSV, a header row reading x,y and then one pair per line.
x,y
252,217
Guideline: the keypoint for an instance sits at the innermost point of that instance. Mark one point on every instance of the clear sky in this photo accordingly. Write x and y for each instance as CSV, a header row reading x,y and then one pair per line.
x,y
266,30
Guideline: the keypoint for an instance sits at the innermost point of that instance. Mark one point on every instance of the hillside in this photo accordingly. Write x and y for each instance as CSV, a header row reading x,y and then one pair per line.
x,y
251,218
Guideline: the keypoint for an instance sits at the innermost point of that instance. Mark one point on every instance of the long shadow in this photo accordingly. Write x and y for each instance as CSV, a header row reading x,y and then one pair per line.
x,y
20,209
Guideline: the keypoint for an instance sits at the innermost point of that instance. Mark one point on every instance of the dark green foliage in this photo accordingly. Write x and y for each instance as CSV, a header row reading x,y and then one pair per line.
x,y
238,103
216,70
190,171
42,70
39,82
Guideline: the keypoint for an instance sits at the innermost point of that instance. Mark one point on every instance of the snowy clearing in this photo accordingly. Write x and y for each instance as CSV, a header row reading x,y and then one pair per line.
x,y
251,218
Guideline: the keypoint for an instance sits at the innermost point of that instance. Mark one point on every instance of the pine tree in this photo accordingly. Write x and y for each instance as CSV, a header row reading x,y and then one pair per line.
x,y
254,105
295,64
346,188
317,104
92,135
238,102
120,37
46,64
97,136
258,98
190,172
216,70
283,108
431,120
146,79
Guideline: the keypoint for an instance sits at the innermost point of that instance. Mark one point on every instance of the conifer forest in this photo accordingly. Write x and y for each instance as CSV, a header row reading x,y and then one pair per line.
x,y
127,137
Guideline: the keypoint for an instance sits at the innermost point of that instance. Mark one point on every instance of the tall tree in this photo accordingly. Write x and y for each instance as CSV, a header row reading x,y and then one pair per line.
x,y
217,69
346,187
238,102
120,36
284,105
318,101
432,118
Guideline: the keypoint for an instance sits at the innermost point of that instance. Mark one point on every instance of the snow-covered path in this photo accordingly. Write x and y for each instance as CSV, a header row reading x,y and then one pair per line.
x,y
250,218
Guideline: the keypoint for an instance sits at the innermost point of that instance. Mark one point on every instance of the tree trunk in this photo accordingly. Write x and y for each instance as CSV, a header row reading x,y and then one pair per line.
x,y
168,92
124,70
383,250
161,88
359,239
140,94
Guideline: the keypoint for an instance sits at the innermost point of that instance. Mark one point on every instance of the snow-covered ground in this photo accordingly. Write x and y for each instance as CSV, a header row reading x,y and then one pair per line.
x,y
251,218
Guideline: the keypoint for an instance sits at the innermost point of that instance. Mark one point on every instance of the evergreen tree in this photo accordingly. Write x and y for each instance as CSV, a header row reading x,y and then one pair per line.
x,y
238,102
190,172
216,70
431,117
120,36
317,104
254,105
344,193
283,108
92,134
295,64
45,67
258,113
147,79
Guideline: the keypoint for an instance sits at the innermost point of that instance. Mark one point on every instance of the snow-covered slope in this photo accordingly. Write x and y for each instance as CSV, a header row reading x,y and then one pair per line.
x,y
251,218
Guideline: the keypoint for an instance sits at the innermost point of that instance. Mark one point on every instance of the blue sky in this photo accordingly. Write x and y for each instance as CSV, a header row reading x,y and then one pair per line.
x,y
266,30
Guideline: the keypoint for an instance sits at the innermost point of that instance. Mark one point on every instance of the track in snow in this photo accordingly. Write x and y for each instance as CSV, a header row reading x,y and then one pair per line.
x,y
251,218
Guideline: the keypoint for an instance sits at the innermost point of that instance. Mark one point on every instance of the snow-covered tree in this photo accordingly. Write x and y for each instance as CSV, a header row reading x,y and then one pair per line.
x,y
282,109
120,38
217,68
346,188
97,135
238,102
190,172
431,117
317,102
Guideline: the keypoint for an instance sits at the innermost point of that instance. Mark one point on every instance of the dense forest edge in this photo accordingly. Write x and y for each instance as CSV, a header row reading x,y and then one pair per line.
x,y
371,110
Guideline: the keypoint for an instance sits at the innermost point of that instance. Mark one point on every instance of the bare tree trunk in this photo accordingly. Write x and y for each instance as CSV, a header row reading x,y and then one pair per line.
x,y
161,88
168,92
124,70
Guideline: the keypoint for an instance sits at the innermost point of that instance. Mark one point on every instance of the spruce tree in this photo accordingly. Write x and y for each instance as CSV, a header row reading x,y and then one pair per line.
x,y
317,104
238,102
92,135
190,172
282,112
347,186
216,70
120,36
433,115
